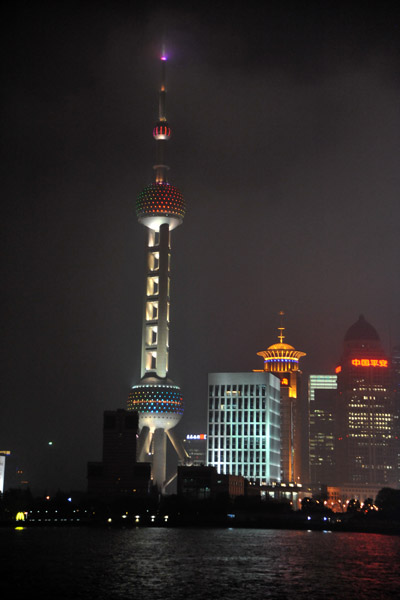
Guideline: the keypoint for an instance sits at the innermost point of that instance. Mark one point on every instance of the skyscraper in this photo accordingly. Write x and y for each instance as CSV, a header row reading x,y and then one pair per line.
x,y
243,425
118,473
3,454
283,361
195,445
366,417
396,385
160,207
322,405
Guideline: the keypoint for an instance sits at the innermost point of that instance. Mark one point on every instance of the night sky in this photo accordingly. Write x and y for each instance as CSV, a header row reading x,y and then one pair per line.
x,y
285,145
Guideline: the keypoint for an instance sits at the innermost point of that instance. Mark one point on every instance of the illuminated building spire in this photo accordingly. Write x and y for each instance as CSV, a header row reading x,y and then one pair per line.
x,y
283,361
160,207
281,357
161,131
281,337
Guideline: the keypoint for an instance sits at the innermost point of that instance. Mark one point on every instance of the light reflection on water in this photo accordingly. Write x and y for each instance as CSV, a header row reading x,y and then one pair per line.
x,y
198,563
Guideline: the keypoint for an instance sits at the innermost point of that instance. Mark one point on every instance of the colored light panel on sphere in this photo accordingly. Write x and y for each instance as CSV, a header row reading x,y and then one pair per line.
x,y
160,199
156,399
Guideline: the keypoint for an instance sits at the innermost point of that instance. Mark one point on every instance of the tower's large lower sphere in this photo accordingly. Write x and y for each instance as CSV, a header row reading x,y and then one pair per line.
x,y
160,405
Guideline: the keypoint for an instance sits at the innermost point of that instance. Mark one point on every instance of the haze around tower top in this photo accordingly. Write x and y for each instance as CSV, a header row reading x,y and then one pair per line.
x,y
285,146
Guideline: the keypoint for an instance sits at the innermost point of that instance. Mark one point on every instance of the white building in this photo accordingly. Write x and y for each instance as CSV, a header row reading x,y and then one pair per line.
x,y
2,469
243,434
3,454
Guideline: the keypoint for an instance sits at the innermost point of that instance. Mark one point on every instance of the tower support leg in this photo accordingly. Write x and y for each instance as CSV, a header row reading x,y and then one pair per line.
x,y
178,446
144,445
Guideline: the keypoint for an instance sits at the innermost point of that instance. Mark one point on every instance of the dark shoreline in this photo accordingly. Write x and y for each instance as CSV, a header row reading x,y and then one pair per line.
x,y
78,509
385,527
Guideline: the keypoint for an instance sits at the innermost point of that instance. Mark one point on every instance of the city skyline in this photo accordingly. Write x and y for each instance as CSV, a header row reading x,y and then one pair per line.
x,y
286,144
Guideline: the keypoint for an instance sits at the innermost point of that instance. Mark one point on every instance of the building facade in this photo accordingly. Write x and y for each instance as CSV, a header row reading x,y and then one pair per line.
x,y
118,474
243,434
321,410
283,361
396,385
195,445
366,415
204,482
2,471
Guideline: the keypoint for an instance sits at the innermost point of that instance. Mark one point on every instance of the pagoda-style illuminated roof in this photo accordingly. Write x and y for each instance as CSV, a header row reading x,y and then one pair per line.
x,y
280,347
283,351
281,357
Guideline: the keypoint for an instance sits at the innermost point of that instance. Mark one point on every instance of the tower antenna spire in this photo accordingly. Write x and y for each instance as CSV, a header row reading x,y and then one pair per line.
x,y
162,131
281,337
163,86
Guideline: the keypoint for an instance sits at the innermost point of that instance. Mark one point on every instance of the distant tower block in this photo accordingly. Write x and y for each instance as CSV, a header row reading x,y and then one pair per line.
x,y
160,207
3,454
366,420
283,361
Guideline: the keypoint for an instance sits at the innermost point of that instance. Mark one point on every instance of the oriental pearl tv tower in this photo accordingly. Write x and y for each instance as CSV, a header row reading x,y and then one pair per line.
x,y
160,207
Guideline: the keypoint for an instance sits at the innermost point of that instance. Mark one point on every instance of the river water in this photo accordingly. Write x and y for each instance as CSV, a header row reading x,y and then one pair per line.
x,y
154,563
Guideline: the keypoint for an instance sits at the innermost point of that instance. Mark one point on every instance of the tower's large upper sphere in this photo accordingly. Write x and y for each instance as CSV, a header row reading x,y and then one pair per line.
x,y
160,203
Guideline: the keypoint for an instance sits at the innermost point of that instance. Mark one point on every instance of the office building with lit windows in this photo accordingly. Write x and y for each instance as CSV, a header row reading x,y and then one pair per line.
x,y
321,403
282,360
195,445
366,416
396,386
243,436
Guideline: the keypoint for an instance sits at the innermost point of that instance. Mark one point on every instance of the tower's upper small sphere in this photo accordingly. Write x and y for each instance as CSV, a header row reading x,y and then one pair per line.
x,y
160,203
162,131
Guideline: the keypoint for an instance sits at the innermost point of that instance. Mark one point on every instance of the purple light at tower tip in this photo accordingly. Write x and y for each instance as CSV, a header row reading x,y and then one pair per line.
x,y
163,52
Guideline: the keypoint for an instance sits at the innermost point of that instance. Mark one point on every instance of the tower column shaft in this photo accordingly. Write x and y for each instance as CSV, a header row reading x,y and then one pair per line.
x,y
149,307
155,333
163,317
160,167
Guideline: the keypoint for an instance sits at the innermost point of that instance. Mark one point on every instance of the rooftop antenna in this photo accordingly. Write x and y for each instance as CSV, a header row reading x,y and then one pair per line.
x,y
281,337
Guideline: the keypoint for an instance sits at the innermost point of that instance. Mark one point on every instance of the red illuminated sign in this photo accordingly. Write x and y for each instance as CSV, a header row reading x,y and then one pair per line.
x,y
338,369
284,381
369,362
